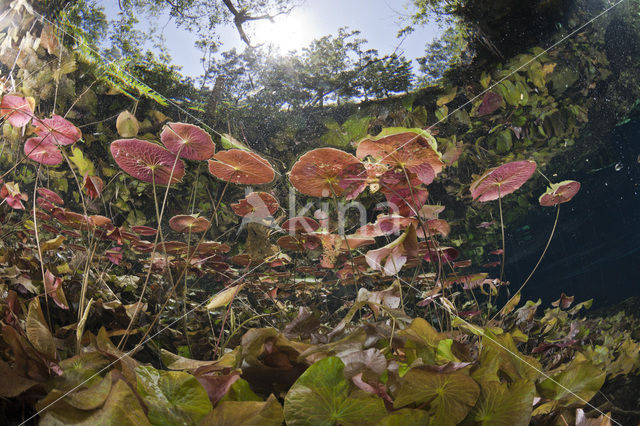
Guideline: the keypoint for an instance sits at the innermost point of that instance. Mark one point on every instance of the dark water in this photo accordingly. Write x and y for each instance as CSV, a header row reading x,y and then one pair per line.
x,y
595,252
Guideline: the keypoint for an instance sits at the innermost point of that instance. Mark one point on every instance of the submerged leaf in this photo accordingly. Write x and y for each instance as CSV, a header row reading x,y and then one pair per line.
x,y
323,396
173,397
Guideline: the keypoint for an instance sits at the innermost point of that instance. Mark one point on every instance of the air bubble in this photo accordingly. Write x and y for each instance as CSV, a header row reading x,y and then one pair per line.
x,y
618,166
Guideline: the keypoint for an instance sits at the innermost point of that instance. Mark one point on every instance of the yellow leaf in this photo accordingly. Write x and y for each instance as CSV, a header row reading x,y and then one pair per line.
x,y
127,125
53,243
223,298
84,165
449,95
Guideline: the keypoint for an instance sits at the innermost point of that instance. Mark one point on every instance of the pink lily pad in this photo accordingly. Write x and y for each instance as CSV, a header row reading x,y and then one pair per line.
x,y
42,151
147,161
192,142
500,181
16,109
57,130
559,193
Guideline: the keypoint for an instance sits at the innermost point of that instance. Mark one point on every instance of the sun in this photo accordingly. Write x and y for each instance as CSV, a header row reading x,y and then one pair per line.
x,y
288,32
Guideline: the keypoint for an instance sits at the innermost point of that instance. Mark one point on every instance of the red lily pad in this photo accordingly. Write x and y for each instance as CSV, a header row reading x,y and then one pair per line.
x,y
434,226
188,223
147,161
559,193
49,195
413,149
402,202
300,224
500,181
318,173
42,151
256,205
191,141
491,101
57,130
144,230
17,109
241,167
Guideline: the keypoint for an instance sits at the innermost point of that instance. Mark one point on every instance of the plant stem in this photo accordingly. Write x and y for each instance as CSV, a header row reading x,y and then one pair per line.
x,y
553,230
503,242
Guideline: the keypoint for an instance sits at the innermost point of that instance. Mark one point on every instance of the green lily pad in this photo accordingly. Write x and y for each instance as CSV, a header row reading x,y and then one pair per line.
x,y
323,396
173,397
258,413
405,417
577,383
502,405
449,396
121,407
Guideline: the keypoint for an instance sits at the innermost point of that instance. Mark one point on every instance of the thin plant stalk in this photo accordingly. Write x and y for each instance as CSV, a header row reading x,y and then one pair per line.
x,y
503,239
553,230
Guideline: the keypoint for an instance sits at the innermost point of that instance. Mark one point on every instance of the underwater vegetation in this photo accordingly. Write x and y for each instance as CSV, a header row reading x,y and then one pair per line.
x,y
157,272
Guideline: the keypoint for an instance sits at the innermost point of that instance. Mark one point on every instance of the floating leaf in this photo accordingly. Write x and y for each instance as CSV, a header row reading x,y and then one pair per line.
x,y
243,167
500,181
57,130
318,172
256,205
413,149
147,161
17,109
559,193
323,396
43,152
52,244
188,223
188,140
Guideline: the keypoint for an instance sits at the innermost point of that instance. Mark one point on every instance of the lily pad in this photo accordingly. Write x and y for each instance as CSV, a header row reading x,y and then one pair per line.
x,y
450,396
231,413
173,397
323,396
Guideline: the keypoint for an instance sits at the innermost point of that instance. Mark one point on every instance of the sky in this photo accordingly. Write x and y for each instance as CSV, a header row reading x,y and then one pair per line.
x,y
378,21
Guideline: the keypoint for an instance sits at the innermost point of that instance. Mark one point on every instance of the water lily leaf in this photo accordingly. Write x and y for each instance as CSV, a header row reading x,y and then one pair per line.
x,y
121,407
52,244
231,413
37,331
447,97
511,361
578,382
450,396
13,382
405,417
323,396
502,405
240,391
503,180
173,397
